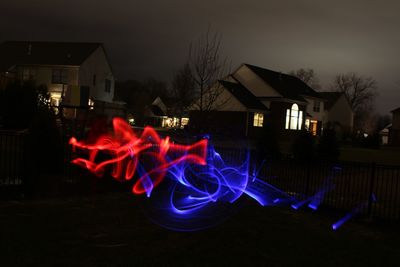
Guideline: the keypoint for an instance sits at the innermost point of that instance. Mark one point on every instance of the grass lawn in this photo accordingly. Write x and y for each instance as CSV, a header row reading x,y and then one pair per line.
x,y
112,230
385,155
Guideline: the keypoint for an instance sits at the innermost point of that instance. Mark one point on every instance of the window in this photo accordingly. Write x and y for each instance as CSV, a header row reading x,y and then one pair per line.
x,y
107,85
60,76
258,120
294,118
317,106
91,104
313,127
28,74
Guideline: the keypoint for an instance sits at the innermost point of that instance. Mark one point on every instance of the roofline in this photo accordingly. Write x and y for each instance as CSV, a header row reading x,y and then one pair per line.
x,y
99,44
265,82
47,65
107,59
320,98
282,99
247,108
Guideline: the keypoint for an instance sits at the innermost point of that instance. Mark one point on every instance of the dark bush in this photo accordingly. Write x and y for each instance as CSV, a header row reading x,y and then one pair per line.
x,y
328,147
303,148
268,145
18,105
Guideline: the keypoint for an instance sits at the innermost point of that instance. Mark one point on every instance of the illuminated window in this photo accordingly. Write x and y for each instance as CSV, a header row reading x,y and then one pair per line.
x,y
184,122
307,124
258,120
313,127
294,118
55,99
91,103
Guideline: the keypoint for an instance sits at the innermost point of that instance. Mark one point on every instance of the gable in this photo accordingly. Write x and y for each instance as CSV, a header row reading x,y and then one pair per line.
x,y
254,83
285,85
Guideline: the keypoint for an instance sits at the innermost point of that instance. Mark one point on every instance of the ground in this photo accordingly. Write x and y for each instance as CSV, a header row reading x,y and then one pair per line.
x,y
111,229
384,155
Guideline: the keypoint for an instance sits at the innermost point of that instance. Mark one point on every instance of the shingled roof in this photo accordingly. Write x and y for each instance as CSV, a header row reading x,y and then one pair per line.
x,y
243,95
288,86
44,53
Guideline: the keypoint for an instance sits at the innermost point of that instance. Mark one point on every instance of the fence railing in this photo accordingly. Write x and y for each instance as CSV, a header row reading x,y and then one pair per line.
x,y
12,153
373,189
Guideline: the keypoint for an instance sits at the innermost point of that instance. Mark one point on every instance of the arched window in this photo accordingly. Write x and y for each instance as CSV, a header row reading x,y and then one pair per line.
x,y
294,118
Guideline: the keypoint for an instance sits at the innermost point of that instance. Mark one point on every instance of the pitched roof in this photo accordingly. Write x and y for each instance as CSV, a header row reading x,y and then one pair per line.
x,y
331,98
243,95
44,53
288,86
395,110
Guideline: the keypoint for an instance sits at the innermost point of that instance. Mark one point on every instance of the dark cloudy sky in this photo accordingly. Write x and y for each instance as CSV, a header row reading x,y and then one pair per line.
x,y
151,38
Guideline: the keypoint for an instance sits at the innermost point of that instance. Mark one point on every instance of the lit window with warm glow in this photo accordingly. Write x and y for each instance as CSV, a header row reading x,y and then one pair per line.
x,y
55,99
184,122
258,120
91,104
313,129
294,118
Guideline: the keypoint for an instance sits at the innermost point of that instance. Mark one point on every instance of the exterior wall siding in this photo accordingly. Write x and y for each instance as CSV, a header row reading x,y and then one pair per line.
x,y
97,64
341,113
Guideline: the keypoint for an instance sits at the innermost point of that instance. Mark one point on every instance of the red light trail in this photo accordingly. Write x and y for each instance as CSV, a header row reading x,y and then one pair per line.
x,y
130,152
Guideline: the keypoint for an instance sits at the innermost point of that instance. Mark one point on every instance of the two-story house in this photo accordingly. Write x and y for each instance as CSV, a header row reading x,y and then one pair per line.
x,y
77,75
338,113
281,102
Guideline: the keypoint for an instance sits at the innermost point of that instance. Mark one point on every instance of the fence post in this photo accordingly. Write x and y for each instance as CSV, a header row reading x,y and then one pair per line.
x,y
308,173
371,188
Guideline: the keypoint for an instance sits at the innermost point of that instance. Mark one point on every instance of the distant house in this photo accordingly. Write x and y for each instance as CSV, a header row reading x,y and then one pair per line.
x,y
384,134
162,114
77,75
338,112
394,133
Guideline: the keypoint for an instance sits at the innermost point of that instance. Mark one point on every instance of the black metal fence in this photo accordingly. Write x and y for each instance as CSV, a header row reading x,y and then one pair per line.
x,y
373,189
12,158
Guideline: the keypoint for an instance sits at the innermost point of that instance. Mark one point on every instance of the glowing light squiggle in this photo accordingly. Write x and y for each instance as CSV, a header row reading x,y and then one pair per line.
x,y
130,154
198,180
198,176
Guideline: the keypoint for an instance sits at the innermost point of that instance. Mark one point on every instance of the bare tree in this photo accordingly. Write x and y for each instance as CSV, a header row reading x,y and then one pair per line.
x,y
207,66
183,88
360,92
308,76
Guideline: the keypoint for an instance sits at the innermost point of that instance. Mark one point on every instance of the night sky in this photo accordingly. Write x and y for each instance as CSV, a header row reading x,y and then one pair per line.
x,y
151,38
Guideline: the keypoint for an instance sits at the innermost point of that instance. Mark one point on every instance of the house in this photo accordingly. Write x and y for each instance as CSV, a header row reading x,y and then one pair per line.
x,y
77,75
266,98
338,112
293,104
384,134
394,133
